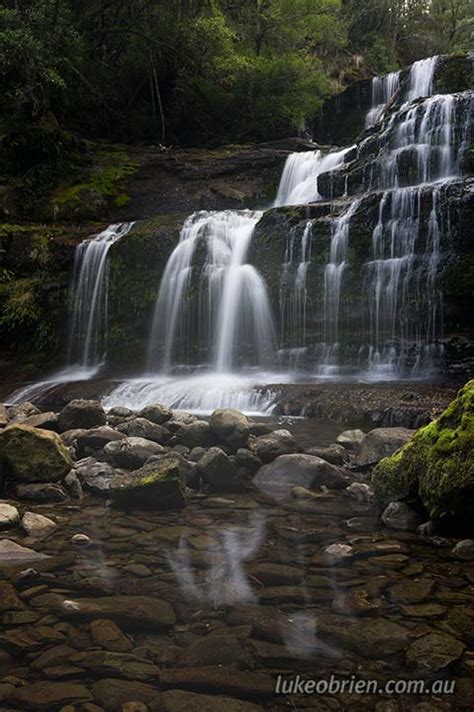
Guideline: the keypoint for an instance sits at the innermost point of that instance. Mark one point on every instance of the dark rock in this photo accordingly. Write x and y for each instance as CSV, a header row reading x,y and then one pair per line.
x,y
380,443
34,455
197,434
220,648
143,428
220,680
277,478
105,663
131,453
335,454
108,635
434,652
96,476
360,491
49,695
379,639
19,413
230,426
41,493
81,414
9,600
157,413
259,429
398,515
246,460
196,453
144,612
350,439
69,437
119,414
45,421
111,694
72,483
155,486
219,472
188,471
464,550
411,591
97,438
278,442
276,574
181,701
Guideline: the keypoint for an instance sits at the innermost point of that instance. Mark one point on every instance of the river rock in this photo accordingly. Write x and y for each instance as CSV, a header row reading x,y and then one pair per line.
x,y
11,551
278,477
119,414
113,693
47,492
48,696
131,453
380,443
34,455
143,428
97,438
81,414
9,600
436,465
409,591
144,612
188,470
157,413
73,485
335,454
398,515
37,525
105,662
434,652
182,701
277,443
19,413
108,635
45,421
198,434
230,426
378,639
360,491
155,486
179,419
219,472
69,437
247,461
464,550
220,680
96,476
3,416
350,439
9,516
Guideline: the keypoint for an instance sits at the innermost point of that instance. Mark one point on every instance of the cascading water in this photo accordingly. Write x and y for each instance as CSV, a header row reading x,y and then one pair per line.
x,y
383,89
88,320
421,78
299,180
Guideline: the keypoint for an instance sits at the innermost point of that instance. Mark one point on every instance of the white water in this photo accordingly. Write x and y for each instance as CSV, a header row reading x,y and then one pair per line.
x,y
383,89
421,78
299,180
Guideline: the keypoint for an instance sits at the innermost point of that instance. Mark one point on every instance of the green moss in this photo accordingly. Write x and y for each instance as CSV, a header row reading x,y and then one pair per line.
x,y
437,464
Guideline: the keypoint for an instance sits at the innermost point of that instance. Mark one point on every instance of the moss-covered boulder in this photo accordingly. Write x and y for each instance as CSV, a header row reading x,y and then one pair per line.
x,y
155,486
437,465
33,455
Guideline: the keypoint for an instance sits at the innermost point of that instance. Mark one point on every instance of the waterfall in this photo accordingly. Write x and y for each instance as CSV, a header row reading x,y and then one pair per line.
x,y
87,340
421,78
383,89
231,299
299,180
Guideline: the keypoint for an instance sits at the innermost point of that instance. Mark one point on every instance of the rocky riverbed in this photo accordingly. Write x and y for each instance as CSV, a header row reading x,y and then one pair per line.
x,y
153,561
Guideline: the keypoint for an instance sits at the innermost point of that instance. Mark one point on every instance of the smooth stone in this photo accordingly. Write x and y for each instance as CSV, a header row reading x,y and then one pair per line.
x,y
398,515
268,447
219,472
45,421
112,693
423,610
53,656
106,663
34,455
230,426
220,680
131,453
411,591
338,552
350,439
276,574
81,541
95,476
380,443
97,438
143,428
9,516
182,701
197,434
464,550
47,492
157,413
278,477
246,460
81,414
139,611
434,652
37,525
3,416
220,648
335,454
379,638
49,695
11,551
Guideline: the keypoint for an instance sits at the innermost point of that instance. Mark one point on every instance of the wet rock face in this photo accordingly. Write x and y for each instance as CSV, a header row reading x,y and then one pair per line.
x,y
33,455
380,443
231,426
436,464
277,478
154,486
81,414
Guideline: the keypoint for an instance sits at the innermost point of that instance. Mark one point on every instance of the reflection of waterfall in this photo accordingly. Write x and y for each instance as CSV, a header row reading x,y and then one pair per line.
x,y
299,180
210,296
87,341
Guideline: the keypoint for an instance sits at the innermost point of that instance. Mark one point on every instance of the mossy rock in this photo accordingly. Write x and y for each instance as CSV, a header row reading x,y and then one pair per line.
x,y
454,73
34,455
436,465
155,486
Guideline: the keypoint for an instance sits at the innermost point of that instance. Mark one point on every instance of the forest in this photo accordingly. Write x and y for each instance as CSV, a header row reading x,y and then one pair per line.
x,y
204,72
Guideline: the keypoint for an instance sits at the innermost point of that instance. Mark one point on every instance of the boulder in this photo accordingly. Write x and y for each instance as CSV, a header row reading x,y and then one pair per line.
x,y
381,639
108,635
95,476
335,454
131,453
157,413
197,434
434,652
219,472
231,427
19,413
280,476
350,439
196,453
119,414
81,414
45,695
46,421
247,461
360,491
464,550
155,486
34,455
37,525
188,471
398,515
69,437
144,612
380,443
278,442
436,465
97,438
72,484
47,492
143,428
9,516
11,551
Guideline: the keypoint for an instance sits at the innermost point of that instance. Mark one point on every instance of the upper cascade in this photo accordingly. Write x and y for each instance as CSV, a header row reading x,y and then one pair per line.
x,y
299,180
